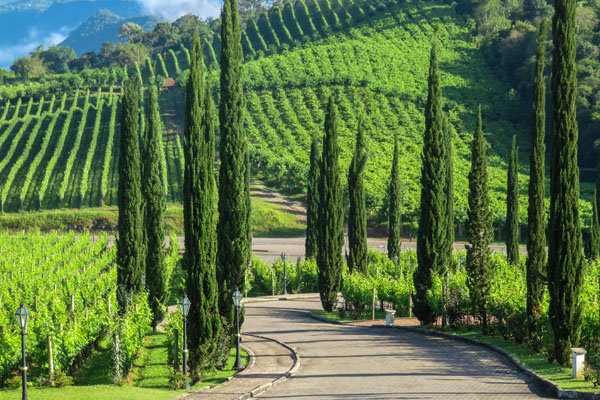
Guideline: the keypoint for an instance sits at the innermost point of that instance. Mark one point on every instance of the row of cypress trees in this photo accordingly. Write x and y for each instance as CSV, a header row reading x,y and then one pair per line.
x,y
564,269
140,242
217,246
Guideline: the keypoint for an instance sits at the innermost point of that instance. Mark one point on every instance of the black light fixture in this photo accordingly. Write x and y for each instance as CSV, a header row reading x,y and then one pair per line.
x,y
22,315
184,308
237,301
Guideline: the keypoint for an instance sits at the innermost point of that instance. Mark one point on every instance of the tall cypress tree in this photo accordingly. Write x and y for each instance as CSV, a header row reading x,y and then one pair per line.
x,y
536,215
449,189
480,271
565,267
512,206
594,245
433,221
394,208
232,229
155,206
331,215
357,218
130,252
312,200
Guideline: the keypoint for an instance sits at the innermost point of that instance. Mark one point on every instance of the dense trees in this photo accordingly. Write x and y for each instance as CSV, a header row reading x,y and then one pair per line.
x,y
565,267
200,215
331,214
433,222
449,189
512,206
479,269
536,241
232,230
130,252
154,209
357,215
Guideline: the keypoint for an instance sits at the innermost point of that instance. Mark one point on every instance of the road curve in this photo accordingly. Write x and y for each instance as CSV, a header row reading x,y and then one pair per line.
x,y
342,362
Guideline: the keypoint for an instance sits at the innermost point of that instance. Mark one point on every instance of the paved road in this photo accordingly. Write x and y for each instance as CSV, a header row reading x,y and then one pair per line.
x,y
268,249
341,362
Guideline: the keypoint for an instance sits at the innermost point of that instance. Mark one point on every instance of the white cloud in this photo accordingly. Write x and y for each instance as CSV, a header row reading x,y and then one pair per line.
x,y
173,9
9,54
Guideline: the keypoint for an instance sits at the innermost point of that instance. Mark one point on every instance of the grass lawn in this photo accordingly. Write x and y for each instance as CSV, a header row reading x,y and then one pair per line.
x,y
150,377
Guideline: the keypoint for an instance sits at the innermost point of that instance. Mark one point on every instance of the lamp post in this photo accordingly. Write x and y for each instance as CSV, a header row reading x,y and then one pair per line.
x,y
237,300
284,273
396,266
184,307
22,314
461,260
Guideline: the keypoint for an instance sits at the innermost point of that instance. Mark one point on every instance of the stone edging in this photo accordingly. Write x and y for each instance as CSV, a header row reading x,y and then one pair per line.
x,y
269,385
550,387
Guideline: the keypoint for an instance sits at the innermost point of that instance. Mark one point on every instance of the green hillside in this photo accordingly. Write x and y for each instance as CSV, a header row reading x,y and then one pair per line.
x,y
372,55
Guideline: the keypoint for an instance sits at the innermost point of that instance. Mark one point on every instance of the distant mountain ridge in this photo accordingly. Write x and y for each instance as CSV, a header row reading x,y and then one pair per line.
x,y
102,27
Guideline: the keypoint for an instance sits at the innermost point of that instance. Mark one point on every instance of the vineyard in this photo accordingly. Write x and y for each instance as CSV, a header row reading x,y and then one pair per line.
x,y
68,283
59,150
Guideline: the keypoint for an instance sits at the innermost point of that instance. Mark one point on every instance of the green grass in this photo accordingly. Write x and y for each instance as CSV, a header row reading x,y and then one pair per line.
x,y
150,377
268,219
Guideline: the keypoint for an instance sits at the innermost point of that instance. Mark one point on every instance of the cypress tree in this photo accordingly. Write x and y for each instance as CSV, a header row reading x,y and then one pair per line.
x,y
536,215
512,206
480,271
331,215
155,206
432,245
565,266
594,245
232,228
449,189
199,215
357,219
130,252
312,200
394,210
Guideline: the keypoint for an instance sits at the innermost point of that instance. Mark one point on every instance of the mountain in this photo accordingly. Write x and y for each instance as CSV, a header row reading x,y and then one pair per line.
x,y
102,27
24,28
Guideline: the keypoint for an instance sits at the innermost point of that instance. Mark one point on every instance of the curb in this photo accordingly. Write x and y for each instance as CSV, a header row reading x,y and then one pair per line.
x,y
546,385
269,385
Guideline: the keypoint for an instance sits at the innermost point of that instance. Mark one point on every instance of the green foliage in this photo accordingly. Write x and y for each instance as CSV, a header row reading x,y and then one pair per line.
x,y
357,218
155,208
565,264
312,200
512,206
200,216
331,214
233,237
536,242
131,254
480,272
433,222
394,207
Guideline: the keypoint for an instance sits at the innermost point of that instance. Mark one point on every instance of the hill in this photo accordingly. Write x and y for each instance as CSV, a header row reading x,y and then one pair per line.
x,y
372,55
102,27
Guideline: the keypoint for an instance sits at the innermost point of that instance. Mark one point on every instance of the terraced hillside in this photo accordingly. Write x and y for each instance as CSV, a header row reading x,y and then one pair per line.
x,y
373,56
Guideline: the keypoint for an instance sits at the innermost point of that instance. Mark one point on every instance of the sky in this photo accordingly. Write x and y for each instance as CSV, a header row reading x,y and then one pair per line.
x,y
34,38
174,9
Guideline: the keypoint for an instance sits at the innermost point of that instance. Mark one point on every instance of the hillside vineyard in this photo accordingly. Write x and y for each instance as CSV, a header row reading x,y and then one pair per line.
x,y
59,149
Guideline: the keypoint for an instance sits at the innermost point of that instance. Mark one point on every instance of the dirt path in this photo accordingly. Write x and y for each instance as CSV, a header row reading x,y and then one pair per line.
x,y
259,190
